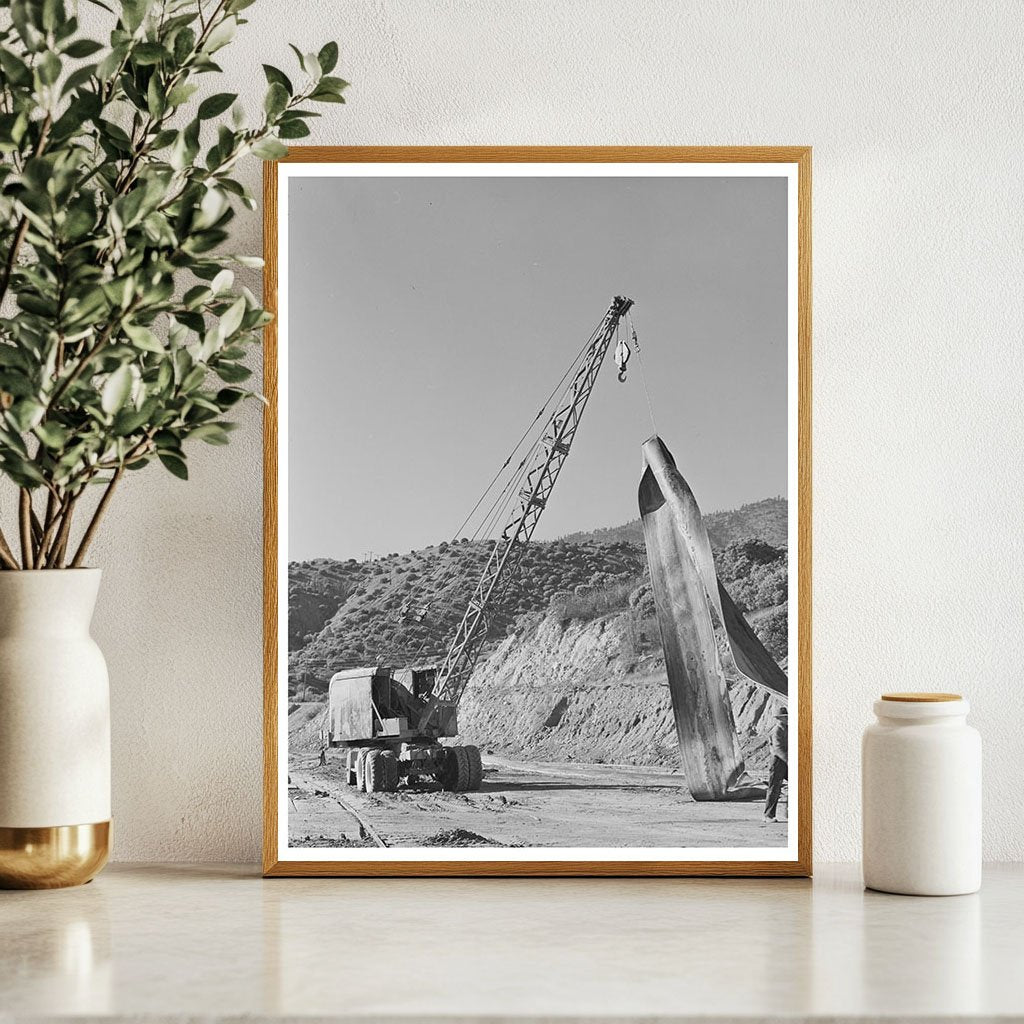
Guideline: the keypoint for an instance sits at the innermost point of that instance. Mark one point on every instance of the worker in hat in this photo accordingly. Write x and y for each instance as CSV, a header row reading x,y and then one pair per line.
x,y
779,743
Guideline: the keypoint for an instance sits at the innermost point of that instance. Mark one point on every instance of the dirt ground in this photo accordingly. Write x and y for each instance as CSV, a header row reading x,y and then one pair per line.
x,y
522,804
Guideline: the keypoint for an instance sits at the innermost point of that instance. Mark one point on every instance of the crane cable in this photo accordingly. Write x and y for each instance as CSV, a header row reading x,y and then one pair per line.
x,y
643,372
502,501
555,391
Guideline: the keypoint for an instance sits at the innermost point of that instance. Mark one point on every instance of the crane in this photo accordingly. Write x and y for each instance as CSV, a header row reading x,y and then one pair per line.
x,y
391,721
548,459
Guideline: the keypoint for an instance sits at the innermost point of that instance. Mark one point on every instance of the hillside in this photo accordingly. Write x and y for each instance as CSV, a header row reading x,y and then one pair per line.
x,y
767,519
594,691
344,614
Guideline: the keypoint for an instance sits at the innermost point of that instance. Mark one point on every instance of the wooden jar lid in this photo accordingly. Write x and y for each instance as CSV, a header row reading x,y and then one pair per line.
x,y
921,698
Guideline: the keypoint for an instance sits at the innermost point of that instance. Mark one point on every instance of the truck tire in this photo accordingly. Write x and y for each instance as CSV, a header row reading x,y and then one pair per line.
x,y
375,772
476,768
350,767
390,771
462,769
448,776
361,769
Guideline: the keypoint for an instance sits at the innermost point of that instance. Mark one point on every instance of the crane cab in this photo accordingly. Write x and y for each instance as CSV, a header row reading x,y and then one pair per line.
x,y
379,703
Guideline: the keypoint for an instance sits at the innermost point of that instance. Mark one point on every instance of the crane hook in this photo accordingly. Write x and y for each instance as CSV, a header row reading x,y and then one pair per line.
x,y
622,354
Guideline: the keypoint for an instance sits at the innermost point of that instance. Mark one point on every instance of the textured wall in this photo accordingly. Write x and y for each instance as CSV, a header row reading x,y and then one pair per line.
x,y
914,113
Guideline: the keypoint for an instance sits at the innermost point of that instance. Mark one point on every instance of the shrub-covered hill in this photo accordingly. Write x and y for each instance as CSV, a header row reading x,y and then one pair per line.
x,y
403,609
766,519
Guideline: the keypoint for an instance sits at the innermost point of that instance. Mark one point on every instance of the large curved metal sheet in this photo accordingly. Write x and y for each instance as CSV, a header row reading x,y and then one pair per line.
x,y
686,590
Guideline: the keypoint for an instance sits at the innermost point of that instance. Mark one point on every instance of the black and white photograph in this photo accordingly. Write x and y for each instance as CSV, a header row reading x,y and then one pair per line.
x,y
537,527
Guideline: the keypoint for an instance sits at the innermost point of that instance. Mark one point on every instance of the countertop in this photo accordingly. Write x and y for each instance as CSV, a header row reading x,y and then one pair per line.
x,y
173,942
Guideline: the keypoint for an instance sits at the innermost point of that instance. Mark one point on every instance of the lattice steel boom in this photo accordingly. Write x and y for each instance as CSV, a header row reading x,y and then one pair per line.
x,y
547,460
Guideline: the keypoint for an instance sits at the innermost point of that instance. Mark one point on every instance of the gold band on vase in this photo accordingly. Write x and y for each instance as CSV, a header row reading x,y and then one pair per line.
x,y
52,857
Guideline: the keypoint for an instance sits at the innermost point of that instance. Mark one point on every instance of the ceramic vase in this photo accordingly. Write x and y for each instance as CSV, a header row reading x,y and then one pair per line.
x,y
921,766
54,731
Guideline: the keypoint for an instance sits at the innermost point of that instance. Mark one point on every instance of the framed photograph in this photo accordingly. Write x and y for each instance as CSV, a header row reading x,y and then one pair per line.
x,y
538,511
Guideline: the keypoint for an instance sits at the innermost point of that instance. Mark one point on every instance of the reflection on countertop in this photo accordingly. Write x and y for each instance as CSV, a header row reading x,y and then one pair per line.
x,y
178,941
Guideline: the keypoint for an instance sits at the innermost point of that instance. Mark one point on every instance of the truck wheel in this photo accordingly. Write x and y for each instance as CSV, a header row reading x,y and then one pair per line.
x,y
448,776
374,771
475,766
350,764
461,769
361,769
389,764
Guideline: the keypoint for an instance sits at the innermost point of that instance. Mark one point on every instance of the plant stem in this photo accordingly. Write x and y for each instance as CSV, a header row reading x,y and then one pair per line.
x,y
60,544
25,522
94,523
51,523
6,555
37,531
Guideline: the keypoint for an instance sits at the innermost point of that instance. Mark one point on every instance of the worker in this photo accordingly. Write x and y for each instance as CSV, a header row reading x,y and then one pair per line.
x,y
323,757
779,742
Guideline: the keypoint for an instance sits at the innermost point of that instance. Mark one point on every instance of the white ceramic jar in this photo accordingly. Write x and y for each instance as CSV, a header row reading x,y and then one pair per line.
x,y
921,778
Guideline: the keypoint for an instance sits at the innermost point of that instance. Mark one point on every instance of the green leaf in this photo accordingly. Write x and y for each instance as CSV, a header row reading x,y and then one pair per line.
x,y
276,76
293,130
78,78
25,16
175,464
211,433
328,57
334,84
232,373
196,296
109,65
83,48
16,70
128,421
221,35
181,94
162,139
49,68
66,27
184,44
325,96
26,414
149,53
269,149
116,390
227,397
53,13
53,435
143,338
21,471
193,379
223,280
232,319
276,99
216,104
133,12
310,64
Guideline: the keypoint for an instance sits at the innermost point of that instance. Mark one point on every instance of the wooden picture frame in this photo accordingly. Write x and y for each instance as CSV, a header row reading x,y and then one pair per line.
x,y
792,159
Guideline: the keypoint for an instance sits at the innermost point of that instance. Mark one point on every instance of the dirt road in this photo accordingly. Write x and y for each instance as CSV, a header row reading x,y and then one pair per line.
x,y
523,804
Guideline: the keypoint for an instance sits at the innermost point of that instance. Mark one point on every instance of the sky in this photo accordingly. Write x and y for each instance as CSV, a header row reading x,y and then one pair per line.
x,y
429,318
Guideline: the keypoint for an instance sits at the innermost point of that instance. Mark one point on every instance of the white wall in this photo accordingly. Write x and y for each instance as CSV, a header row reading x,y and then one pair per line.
x,y
914,111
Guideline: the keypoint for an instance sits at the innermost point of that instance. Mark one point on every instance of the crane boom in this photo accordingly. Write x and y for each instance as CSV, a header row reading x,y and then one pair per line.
x,y
547,460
